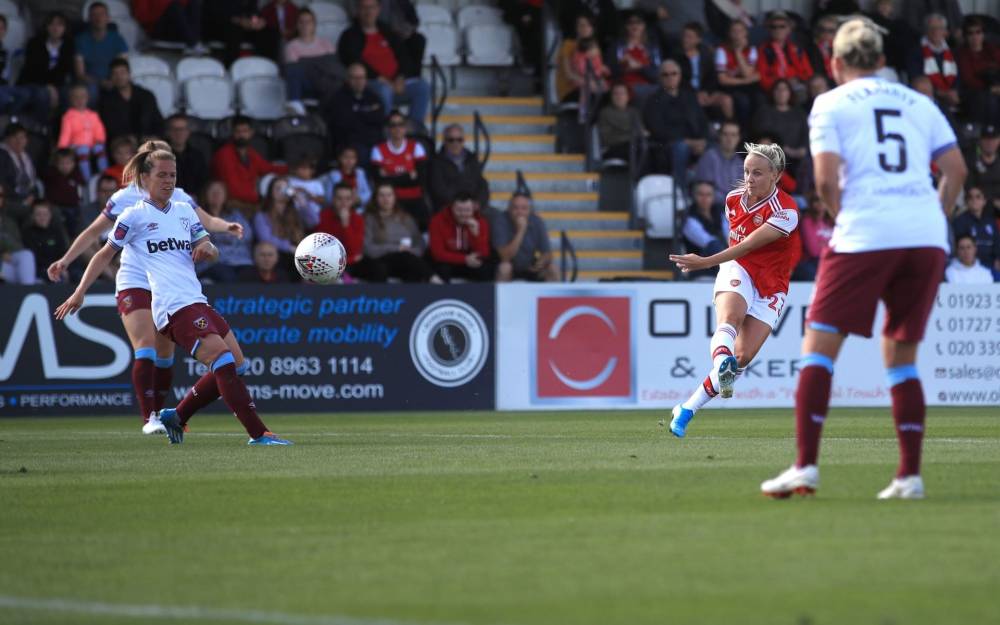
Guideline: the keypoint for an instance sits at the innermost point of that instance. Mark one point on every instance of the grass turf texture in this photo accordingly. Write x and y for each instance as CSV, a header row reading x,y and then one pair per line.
x,y
496,518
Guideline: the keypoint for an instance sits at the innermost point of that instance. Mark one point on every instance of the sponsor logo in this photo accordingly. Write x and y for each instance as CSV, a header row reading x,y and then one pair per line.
x,y
120,231
734,283
449,343
201,323
167,245
584,347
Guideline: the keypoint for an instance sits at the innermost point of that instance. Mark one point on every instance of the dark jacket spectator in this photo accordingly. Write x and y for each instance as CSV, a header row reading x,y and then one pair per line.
x,y
265,269
984,166
241,167
39,68
979,225
782,119
239,22
900,44
192,167
281,15
672,117
44,237
460,242
17,171
127,108
617,123
355,114
172,20
63,184
456,169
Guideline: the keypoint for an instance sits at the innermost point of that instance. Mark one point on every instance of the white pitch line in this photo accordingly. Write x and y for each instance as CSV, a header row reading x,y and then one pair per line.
x,y
154,611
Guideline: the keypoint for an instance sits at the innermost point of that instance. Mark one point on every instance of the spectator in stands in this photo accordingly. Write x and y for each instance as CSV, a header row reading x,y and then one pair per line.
x,y
603,14
976,223
596,81
979,73
670,16
50,55
192,168
781,118
172,20
721,14
938,62
63,184
348,172
282,16
17,264
241,167
17,99
818,85
393,241
900,42
81,129
617,122
122,150
355,115
567,78
787,182
675,122
779,57
460,242
235,253
816,227
525,17
95,48
698,71
17,171
106,187
382,54
266,267
635,59
239,22
455,169
966,268
128,109
308,190
521,241
984,170
705,230
736,71
916,14
44,237
311,70
278,222
344,222
400,162
820,49
720,164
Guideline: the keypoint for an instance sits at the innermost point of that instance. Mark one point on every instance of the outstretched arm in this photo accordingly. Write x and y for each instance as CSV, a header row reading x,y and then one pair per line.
x,y
216,224
757,239
97,264
79,246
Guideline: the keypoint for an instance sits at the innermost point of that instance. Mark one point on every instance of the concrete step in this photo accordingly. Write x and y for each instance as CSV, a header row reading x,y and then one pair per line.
x,y
643,275
541,182
501,124
607,240
584,220
465,105
487,81
552,201
535,162
507,144
609,260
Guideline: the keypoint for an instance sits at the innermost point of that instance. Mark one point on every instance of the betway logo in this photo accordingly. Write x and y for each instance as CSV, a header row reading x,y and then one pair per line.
x,y
35,308
169,245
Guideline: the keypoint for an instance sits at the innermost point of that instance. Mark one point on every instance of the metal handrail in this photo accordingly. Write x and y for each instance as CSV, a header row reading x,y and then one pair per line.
x,y
479,127
437,74
566,250
588,113
548,19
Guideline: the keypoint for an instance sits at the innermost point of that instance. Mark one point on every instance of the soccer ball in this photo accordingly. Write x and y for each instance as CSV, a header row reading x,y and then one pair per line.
x,y
320,258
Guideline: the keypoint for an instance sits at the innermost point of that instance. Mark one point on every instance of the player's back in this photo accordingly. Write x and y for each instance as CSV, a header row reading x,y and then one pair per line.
x,y
886,135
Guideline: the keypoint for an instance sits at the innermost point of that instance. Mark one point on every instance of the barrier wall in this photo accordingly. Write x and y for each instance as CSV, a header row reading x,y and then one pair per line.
x,y
407,347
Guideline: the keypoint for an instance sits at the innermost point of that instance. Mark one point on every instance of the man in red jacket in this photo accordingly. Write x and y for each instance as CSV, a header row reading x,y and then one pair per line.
x,y
240,167
779,58
460,242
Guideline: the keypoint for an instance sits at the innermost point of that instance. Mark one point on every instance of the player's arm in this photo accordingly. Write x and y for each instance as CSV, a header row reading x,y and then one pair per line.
x,y
826,172
757,239
80,244
217,224
953,174
98,263
202,248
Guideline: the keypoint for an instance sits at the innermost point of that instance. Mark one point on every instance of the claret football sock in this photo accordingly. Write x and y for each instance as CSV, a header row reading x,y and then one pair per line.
x,y
812,400
723,344
163,377
704,394
142,380
908,411
203,393
234,393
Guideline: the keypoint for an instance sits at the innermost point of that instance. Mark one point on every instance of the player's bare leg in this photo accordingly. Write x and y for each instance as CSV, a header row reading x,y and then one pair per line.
x,y
142,334
820,348
908,413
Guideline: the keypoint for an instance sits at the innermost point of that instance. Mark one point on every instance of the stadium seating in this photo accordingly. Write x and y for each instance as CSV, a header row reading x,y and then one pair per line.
x,y
252,67
328,12
190,67
489,44
296,137
131,32
479,14
163,87
442,40
209,97
9,8
148,65
331,30
17,33
434,14
655,204
262,97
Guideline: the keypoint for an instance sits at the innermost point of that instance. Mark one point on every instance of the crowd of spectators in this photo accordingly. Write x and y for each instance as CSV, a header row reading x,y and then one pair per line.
x,y
693,78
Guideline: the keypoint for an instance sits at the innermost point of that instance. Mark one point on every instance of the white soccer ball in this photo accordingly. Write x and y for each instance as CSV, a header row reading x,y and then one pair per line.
x,y
320,258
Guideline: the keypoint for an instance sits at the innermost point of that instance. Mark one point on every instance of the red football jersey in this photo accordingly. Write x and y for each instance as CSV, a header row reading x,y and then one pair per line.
x,y
400,162
770,266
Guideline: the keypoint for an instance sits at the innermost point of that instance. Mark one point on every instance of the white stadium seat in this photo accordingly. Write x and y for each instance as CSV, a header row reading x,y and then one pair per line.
x,y
442,40
331,30
163,87
17,33
251,67
9,8
479,14
148,65
117,9
209,97
328,12
489,44
131,32
192,66
434,14
262,97
655,202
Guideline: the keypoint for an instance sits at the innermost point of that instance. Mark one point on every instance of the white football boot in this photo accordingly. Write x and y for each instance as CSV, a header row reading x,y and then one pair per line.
x,y
153,426
793,481
909,487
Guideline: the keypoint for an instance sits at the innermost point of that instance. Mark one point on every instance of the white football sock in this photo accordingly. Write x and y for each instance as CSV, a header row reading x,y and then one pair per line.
x,y
723,344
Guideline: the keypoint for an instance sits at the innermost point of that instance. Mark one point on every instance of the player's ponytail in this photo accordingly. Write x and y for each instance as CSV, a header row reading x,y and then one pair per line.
x,y
771,152
136,164
142,163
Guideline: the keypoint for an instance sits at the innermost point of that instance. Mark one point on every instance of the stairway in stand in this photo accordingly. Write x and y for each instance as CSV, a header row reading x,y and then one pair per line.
x,y
563,193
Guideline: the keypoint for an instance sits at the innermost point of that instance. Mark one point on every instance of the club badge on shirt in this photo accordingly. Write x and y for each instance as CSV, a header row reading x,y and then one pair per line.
x,y
120,231
201,323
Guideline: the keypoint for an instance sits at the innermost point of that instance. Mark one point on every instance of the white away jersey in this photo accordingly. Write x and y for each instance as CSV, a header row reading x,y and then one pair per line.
x,y
160,241
886,135
129,275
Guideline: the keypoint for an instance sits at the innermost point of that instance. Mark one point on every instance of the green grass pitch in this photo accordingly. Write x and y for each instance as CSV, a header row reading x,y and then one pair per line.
x,y
516,519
